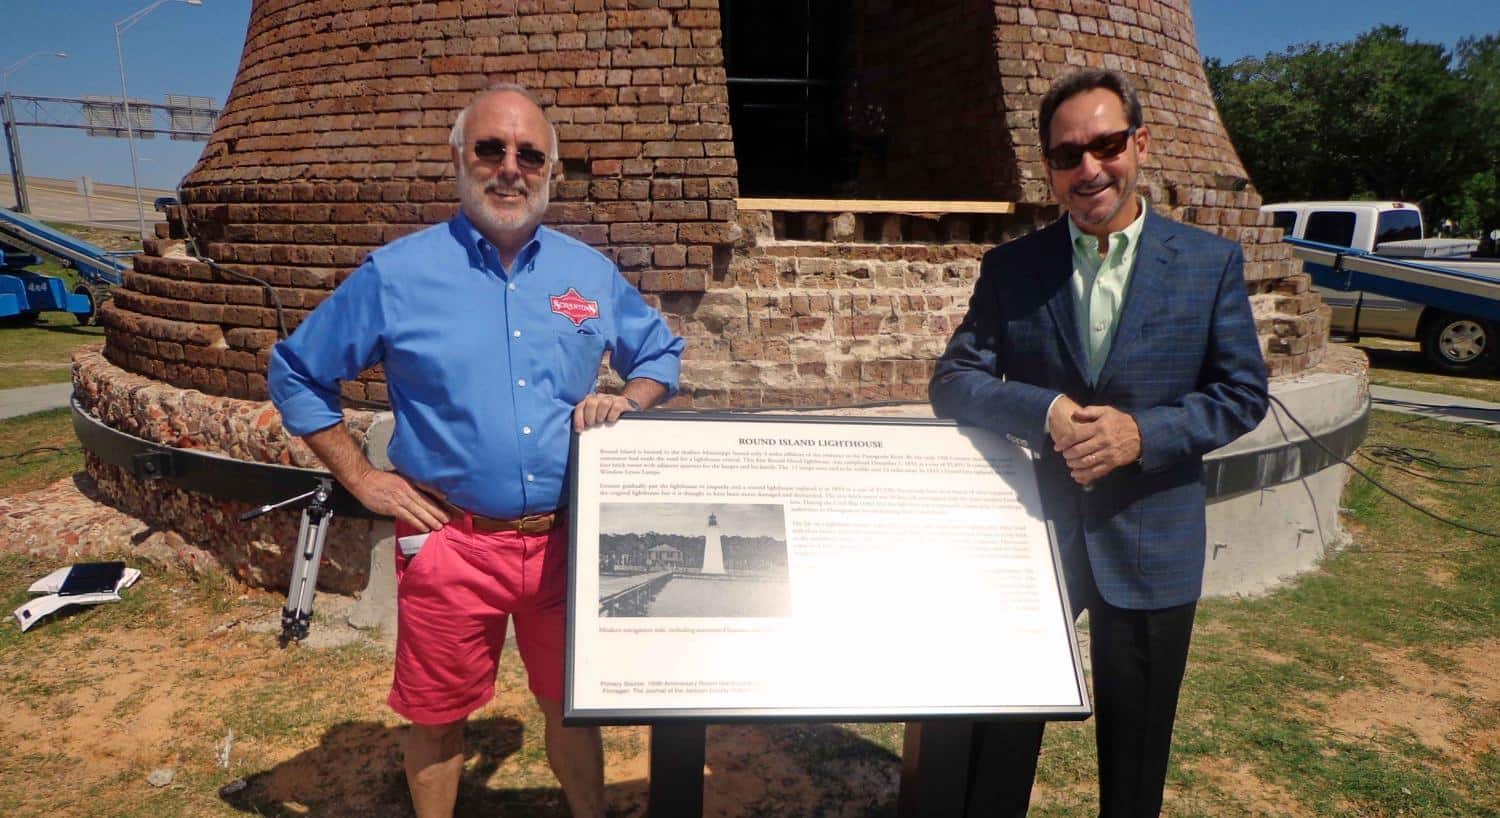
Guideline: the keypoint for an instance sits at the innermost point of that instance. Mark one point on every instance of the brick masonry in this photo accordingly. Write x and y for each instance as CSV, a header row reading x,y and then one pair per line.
x,y
189,419
334,141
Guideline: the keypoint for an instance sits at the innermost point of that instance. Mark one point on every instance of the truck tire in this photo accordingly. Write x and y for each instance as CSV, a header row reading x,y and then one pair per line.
x,y
1458,344
91,317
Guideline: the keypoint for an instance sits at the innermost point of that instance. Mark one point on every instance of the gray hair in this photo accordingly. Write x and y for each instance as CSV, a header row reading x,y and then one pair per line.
x,y
1083,80
456,135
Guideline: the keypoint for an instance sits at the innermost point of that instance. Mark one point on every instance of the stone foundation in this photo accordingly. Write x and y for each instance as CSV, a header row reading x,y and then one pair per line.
x,y
256,552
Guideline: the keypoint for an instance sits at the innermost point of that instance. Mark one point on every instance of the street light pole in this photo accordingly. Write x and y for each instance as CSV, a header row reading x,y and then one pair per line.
x,y
135,168
7,71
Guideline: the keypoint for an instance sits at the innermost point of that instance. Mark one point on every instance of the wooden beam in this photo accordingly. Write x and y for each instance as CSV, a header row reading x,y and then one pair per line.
x,y
914,206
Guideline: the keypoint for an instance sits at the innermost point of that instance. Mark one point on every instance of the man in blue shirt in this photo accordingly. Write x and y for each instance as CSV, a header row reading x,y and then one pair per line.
x,y
490,329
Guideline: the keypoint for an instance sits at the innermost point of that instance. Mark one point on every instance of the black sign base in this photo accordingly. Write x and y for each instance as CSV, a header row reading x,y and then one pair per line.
x,y
677,755
935,769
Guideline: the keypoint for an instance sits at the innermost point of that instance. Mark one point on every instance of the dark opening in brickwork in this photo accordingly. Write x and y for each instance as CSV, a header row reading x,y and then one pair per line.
x,y
866,99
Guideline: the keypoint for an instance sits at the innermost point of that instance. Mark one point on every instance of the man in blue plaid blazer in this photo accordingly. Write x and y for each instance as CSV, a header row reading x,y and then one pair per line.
x,y
1120,347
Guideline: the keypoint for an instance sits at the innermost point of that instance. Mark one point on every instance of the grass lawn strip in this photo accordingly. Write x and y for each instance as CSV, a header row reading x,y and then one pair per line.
x,y
37,450
41,353
1402,365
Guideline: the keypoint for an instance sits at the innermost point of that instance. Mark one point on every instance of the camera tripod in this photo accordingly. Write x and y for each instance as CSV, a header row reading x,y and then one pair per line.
x,y
316,516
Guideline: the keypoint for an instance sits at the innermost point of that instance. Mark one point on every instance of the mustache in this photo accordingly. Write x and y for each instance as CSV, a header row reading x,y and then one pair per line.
x,y
496,186
1099,182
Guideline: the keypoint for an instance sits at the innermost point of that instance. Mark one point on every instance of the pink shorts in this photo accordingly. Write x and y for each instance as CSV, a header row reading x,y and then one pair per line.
x,y
453,597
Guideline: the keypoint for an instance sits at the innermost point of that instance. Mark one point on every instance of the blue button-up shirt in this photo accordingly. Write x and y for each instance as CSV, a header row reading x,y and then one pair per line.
x,y
483,365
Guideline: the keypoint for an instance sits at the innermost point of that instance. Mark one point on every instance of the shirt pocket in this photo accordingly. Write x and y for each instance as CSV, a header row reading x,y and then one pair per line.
x,y
578,357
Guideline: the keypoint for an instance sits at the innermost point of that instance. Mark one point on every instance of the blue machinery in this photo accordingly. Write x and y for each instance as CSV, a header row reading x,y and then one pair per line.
x,y
26,294
1460,287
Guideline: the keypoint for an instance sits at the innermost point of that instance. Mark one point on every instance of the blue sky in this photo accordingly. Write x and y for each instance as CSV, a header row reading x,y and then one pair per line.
x,y
195,50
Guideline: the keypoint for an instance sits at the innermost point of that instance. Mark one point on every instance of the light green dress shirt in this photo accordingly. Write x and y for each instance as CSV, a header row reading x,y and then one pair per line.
x,y
1098,285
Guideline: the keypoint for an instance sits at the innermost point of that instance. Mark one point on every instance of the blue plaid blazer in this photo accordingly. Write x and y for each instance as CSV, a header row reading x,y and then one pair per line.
x,y
1185,363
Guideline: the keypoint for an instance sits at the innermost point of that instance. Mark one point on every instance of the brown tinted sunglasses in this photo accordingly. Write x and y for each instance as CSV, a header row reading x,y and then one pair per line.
x,y
494,150
1069,155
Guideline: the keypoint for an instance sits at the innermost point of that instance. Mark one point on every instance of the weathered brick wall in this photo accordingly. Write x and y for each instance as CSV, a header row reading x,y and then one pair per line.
x,y
334,142
822,321
1194,171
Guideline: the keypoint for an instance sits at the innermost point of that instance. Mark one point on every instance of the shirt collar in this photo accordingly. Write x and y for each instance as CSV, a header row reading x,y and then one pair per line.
x,y
484,252
1120,242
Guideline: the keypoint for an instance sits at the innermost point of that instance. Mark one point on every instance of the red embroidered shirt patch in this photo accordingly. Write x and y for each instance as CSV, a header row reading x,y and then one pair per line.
x,y
574,307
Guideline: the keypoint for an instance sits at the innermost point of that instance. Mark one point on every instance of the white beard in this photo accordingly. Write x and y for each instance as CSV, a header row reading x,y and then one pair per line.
x,y
477,205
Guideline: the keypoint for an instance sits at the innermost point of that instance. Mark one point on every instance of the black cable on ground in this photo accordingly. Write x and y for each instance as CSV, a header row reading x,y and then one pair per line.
x,y
1401,457
1422,475
1409,455
26,458
1382,487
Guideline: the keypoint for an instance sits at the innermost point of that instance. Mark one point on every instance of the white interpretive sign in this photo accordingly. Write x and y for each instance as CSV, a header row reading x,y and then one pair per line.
x,y
813,568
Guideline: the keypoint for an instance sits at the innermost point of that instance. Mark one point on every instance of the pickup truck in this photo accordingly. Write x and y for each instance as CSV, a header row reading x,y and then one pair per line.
x,y
1456,336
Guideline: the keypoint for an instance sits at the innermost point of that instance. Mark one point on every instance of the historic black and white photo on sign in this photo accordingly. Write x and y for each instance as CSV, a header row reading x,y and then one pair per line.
x,y
692,560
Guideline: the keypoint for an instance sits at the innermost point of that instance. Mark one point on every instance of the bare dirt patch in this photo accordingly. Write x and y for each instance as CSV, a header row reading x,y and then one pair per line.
x,y
1441,576
1238,784
1439,709
96,699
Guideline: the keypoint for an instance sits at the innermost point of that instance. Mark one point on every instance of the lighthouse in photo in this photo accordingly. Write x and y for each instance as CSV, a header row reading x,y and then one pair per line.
x,y
713,550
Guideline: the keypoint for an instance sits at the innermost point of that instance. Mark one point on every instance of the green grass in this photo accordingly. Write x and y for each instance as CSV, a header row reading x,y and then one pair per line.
x,y
36,450
41,352
1264,672
1402,365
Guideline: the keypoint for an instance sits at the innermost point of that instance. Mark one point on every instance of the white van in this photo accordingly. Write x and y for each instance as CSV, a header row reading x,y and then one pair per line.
x,y
1453,343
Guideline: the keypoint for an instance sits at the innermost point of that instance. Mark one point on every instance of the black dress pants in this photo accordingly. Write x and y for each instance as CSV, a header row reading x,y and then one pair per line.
x,y
1138,659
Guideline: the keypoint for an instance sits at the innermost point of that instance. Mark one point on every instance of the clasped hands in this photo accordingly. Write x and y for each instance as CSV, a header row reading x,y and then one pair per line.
x,y
1093,440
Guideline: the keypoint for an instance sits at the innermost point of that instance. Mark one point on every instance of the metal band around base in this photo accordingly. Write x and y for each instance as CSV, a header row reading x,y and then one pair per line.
x,y
228,478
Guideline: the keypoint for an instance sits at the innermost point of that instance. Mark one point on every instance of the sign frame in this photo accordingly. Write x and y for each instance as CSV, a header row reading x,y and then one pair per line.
x,y
584,511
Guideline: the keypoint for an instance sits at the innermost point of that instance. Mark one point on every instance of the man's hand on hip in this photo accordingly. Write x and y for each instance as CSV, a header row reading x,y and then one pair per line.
x,y
598,409
382,492
392,495
1097,440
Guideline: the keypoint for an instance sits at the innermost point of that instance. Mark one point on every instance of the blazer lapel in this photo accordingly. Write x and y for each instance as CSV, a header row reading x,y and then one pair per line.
x,y
1057,271
1149,280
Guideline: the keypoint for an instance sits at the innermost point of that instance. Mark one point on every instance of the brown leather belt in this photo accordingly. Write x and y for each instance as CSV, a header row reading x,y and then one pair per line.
x,y
529,524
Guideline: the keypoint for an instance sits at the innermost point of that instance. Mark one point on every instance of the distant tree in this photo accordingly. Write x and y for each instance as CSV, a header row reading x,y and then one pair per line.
x,y
1475,206
1377,117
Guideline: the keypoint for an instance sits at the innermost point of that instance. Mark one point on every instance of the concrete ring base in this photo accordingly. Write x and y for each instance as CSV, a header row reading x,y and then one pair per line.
x,y
1259,539
1256,539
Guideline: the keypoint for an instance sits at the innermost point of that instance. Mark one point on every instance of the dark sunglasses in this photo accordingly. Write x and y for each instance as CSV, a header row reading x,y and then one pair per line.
x,y
494,150
1069,155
